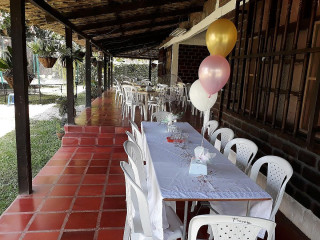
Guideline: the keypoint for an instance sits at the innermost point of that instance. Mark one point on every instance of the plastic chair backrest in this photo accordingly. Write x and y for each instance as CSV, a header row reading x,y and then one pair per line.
x,y
131,137
278,175
130,93
231,227
135,158
160,116
246,150
211,126
136,133
226,135
138,200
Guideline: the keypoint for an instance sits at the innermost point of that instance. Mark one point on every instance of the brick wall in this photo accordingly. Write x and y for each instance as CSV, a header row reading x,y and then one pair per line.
x,y
305,182
190,58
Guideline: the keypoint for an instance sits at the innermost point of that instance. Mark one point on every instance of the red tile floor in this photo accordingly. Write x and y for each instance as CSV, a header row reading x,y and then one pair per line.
x,y
80,193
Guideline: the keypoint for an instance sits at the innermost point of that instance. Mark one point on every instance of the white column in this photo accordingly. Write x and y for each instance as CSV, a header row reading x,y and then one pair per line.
x,y
174,62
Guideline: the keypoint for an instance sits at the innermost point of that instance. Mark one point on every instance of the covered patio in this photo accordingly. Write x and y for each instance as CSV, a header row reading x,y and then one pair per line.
x,y
271,98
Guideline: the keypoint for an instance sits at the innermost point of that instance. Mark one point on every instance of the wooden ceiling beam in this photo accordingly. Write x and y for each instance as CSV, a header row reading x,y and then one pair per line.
x,y
141,36
134,48
140,17
118,28
60,18
116,7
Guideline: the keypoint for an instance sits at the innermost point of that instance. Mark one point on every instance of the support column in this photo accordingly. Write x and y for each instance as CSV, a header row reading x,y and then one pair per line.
x,y
99,78
111,72
20,76
88,73
105,72
150,62
69,67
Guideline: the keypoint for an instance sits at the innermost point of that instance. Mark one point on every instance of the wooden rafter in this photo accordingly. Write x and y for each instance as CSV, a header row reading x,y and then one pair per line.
x,y
116,7
139,17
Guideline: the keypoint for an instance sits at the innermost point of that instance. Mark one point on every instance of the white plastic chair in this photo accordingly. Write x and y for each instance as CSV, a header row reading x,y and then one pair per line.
x,y
131,101
246,150
135,158
138,224
160,116
226,135
210,126
119,94
136,133
279,173
231,227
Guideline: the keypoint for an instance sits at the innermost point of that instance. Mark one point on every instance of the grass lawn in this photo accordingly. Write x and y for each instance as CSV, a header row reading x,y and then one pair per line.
x,y
35,99
44,143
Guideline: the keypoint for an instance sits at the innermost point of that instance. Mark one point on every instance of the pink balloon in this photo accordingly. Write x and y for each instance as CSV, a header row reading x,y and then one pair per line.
x,y
214,72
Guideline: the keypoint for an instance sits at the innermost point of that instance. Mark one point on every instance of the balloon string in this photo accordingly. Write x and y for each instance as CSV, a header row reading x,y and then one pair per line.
x,y
202,138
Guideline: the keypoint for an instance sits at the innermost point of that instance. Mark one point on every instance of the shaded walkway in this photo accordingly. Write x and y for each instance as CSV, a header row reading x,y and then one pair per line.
x,y
80,192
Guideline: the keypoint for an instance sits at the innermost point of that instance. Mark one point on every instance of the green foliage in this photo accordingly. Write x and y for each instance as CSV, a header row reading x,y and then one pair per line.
x,y
63,105
6,61
5,23
44,144
44,48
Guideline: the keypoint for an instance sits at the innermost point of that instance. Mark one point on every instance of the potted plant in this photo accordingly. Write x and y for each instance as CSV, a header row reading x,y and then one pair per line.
x,y
76,54
6,67
46,51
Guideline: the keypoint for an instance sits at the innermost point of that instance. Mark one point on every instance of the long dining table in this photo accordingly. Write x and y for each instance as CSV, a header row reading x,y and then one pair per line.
x,y
168,177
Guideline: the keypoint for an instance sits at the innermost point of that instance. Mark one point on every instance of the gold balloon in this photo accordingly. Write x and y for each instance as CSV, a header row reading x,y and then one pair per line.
x,y
221,37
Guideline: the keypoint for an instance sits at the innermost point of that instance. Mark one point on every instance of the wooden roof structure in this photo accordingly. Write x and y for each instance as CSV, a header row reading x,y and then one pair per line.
x,y
116,26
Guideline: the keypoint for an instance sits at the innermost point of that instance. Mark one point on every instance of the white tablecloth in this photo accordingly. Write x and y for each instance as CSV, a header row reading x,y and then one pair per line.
x,y
169,179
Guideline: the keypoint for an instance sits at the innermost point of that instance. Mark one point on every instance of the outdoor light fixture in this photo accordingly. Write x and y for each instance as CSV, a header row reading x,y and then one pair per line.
x,y
177,32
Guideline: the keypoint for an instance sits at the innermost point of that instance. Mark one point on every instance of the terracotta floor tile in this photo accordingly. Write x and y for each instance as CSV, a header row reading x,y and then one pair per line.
x,y
56,204
119,156
44,179
47,221
103,156
57,162
67,149
83,220
114,203
118,178
39,190
69,179
41,236
90,190
94,179
113,219
116,190
104,149
79,235
51,170
64,190
10,236
14,223
87,203
86,150
62,155
99,163
110,234
116,170
82,156
25,205
74,170
78,163
97,170
118,150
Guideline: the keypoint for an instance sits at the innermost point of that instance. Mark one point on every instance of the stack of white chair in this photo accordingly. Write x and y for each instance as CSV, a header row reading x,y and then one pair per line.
x,y
226,134
131,101
210,127
138,223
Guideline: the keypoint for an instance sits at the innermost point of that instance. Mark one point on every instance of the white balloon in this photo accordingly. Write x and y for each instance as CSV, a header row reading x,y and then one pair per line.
x,y
200,98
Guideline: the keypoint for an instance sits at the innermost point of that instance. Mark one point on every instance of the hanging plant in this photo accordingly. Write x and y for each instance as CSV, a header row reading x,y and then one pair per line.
x,y
76,54
6,67
46,51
